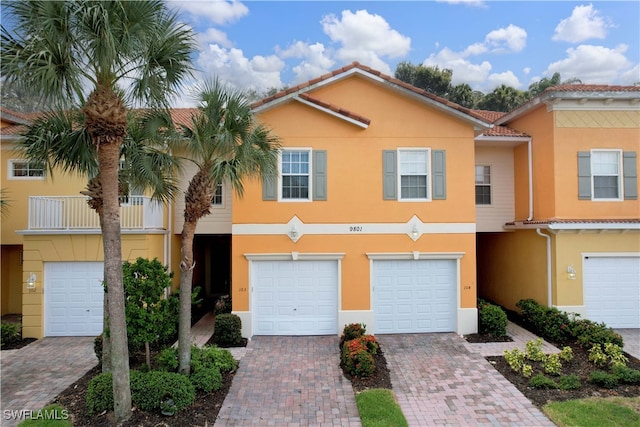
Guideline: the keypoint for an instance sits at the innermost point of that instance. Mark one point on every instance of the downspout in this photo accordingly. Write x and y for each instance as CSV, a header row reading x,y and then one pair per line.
x,y
548,264
529,155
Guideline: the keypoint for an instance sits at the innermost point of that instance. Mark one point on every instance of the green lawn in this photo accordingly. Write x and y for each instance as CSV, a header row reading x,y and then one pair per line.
x,y
378,408
595,412
50,416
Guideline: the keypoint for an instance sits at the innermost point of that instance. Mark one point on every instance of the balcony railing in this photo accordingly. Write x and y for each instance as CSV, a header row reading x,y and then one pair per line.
x,y
73,213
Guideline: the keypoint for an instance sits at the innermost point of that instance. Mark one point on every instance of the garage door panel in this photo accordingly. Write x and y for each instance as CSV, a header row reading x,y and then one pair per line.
x,y
611,289
74,298
424,299
303,293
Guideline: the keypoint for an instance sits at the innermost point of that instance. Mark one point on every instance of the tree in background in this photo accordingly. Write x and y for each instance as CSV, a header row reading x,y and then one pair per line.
x,y
432,79
101,57
503,98
150,316
226,144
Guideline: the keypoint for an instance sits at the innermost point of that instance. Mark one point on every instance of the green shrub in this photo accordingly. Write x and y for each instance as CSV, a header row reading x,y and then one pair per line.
x,y
167,359
99,396
228,330
533,350
10,333
492,319
205,379
552,365
515,359
597,356
356,357
626,375
542,382
213,356
615,354
527,371
148,389
547,322
569,382
352,331
566,354
589,333
604,379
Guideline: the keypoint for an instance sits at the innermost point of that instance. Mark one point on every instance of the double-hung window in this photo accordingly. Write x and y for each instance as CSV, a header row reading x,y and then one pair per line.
x,y
23,169
413,166
606,174
483,185
217,200
295,175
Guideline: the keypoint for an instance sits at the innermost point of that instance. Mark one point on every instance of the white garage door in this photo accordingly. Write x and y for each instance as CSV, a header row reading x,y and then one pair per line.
x,y
295,297
612,290
414,296
73,298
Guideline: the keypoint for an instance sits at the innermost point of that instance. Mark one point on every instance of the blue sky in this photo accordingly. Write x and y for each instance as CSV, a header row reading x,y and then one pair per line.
x,y
265,44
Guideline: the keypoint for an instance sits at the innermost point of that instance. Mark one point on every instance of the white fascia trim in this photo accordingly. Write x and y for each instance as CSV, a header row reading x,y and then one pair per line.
x,y
416,255
409,228
295,256
594,226
505,139
332,113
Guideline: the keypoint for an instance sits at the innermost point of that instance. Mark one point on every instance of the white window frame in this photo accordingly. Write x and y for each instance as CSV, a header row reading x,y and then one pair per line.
x,y
429,174
490,185
281,174
619,175
11,171
222,194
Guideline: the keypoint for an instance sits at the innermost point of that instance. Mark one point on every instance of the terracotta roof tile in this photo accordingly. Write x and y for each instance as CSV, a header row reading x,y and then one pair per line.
x,y
389,79
335,108
592,88
576,221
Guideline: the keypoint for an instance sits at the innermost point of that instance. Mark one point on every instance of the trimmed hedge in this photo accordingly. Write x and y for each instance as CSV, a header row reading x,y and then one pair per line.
x,y
560,327
492,319
227,330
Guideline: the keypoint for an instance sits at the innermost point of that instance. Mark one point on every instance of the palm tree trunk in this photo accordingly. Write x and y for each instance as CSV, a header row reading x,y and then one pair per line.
x,y
186,276
109,161
106,341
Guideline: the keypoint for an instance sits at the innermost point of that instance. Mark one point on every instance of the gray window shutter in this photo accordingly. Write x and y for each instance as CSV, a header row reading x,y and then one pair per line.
x,y
584,175
389,175
630,175
269,188
439,172
319,175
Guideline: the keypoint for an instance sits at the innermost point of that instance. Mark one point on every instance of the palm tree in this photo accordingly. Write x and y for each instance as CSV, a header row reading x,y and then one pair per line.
x,y
5,202
226,144
119,52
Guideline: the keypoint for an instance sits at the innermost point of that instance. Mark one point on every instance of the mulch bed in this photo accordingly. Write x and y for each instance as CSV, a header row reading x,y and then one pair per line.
x,y
379,379
18,344
579,366
486,338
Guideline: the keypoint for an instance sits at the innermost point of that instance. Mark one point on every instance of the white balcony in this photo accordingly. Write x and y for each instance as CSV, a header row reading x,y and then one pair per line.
x,y
73,213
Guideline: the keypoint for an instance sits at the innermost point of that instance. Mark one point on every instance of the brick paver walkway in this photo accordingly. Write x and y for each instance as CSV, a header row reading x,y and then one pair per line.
x,y
33,375
631,338
290,381
520,337
437,381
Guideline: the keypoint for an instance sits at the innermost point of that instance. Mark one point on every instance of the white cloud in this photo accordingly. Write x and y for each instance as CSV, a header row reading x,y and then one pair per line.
x,y
593,64
366,38
212,36
473,3
507,78
631,76
509,39
584,23
316,60
216,12
503,40
230,65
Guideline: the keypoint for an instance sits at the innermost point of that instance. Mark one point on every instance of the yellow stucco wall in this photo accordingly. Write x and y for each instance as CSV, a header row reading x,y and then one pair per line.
x,y
39,249
569,249
11,278
512,266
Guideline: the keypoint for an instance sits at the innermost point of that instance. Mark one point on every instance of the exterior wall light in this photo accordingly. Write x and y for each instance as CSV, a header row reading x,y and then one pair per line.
x,y
294,233
414,232
31,282
571,272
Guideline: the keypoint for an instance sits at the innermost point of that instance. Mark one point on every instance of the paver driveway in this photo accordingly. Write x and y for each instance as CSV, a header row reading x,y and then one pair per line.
x,y
290,381
437,381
